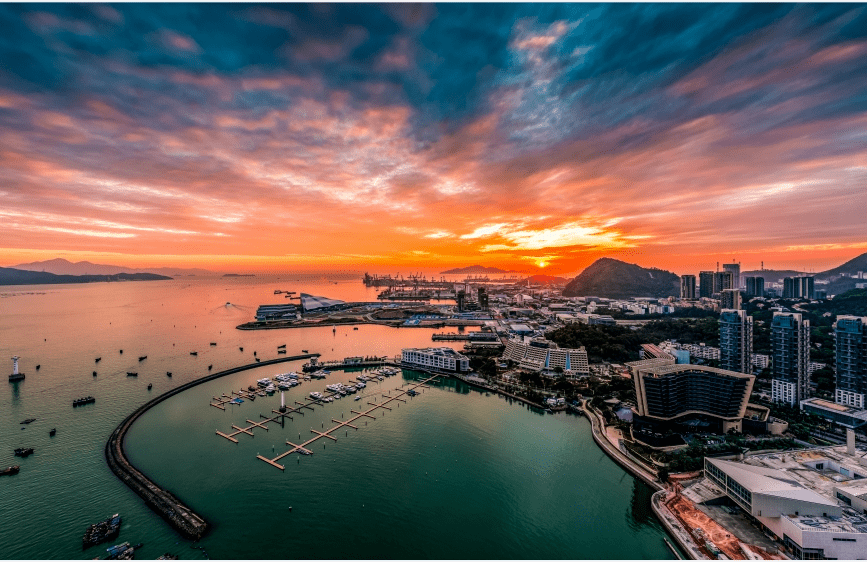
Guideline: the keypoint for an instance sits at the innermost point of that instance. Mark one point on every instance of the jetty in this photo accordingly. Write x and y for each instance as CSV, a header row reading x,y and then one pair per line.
x,y
302,448
181,517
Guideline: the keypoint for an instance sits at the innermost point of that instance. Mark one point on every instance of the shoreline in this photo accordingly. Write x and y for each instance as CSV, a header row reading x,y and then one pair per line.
x,y
673,530
177,514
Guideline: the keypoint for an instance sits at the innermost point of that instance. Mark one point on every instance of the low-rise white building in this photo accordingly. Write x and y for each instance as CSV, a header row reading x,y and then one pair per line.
x,y
435,359
538,354
810,500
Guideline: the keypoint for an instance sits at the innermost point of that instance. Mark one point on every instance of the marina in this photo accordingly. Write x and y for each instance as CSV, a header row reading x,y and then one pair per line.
x,y
302,448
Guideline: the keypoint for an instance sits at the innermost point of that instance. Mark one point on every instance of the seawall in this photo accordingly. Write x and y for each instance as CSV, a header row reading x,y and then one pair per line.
x,y
183,519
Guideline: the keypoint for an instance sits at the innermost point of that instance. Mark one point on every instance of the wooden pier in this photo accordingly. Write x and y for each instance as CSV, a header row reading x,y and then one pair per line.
x,y
302,448
278,418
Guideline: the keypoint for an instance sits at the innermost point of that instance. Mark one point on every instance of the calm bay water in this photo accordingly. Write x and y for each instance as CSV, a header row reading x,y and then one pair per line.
x,y
453,474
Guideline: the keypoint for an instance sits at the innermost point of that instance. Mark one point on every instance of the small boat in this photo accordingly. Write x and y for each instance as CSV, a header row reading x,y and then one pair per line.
x,y
169,374
98,359
355,328
121,352
251,388
28,420
37,367
241,348
281,351
94,373
150,385
281,346
357,398
143,357
52,432
210,367
303,351
254,354
304,452
194,353
131,374
213,343
83,401
258,360
10,471
117,550
24,452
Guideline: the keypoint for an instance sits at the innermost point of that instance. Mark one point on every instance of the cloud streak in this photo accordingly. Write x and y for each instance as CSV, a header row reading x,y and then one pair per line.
x,y
508,134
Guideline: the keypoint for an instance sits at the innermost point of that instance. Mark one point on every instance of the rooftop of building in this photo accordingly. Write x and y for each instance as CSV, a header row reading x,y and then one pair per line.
x,y
652,351
834,407
667,369
801,467
437,351
848,523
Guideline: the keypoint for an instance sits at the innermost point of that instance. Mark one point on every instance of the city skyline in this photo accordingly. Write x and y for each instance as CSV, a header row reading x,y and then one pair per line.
x,y
528,137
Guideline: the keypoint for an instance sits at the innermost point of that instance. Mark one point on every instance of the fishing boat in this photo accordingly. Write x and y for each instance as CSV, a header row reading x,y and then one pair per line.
x,y
14,469
24,452
102,531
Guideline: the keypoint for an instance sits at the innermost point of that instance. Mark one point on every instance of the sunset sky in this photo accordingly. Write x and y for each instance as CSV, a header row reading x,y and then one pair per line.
x,y
526,136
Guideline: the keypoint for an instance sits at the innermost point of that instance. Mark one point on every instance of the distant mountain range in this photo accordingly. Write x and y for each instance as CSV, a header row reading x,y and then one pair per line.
x,y
835,281
475,269
610,278
12,276
61,266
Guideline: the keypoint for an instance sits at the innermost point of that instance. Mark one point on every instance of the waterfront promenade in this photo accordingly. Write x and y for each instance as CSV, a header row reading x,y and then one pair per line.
x,y
182,518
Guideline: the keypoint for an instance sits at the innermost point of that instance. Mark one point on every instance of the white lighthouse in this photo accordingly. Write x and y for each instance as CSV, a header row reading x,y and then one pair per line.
x,y
15,376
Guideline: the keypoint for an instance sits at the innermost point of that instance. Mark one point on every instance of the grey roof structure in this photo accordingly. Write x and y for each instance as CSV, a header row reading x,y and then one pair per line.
x,y
312,302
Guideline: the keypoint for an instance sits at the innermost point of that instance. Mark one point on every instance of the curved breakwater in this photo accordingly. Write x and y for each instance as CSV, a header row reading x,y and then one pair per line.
x,y
167,505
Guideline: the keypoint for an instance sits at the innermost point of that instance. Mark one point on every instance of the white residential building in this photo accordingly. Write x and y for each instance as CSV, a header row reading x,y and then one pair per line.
x,y
538,354
436,358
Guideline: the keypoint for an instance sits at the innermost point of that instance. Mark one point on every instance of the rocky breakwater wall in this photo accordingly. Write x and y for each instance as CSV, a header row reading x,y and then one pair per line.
x,y
183,519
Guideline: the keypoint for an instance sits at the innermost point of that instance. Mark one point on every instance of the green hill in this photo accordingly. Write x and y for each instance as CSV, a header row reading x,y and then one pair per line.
x,y
10,276
852,303
607,277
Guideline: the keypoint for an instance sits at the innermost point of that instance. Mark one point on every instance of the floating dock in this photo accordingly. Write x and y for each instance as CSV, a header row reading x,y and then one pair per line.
x,y
302,448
